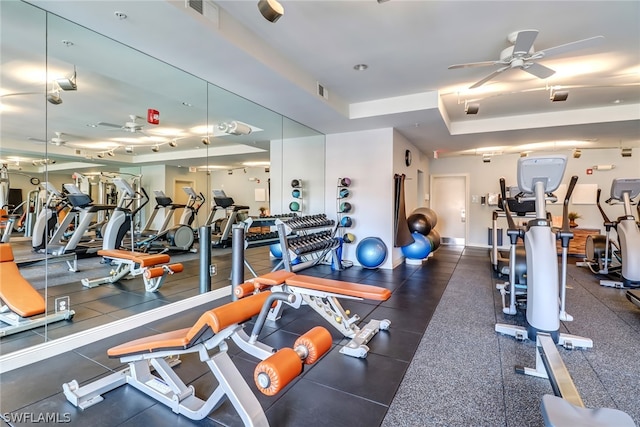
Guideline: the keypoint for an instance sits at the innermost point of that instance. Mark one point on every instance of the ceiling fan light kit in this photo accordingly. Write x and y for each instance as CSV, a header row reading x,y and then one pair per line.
x,y
559,95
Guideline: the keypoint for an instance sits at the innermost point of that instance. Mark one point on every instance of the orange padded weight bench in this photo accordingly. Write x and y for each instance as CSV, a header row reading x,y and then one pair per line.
x,y
213,328
20,303
133,264
323,295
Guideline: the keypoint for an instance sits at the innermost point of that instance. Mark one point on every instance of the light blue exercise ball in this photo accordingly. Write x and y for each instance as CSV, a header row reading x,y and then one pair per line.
x,y
371,252
276,250
419,249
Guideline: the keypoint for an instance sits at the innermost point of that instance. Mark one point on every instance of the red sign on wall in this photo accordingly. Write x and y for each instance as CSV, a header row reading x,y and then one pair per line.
x,y
589,171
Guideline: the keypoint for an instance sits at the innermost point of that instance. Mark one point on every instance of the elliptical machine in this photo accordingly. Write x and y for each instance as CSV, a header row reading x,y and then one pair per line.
x,y
190,212
47,220
121,221
538,176
620,260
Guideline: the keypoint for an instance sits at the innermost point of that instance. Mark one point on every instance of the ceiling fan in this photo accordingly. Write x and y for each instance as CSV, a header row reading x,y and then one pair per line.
x,y
130,126
522,55
57,140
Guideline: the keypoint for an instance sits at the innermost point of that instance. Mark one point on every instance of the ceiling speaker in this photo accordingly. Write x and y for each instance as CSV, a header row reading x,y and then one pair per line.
x,y
471,108
557,96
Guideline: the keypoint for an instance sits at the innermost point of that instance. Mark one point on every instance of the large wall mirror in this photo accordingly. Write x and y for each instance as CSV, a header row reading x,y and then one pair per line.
x,y
79,108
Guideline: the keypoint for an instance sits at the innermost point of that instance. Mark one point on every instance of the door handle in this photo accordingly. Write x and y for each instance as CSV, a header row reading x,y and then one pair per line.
x,y
463,215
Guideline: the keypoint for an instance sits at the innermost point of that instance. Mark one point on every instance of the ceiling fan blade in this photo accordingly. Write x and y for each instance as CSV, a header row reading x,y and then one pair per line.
x,y
489,77
473,64
570,47
37,140
524,41
111,125
539,70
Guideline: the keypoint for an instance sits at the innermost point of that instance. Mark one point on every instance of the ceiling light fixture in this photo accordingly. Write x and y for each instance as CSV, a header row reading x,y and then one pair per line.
x,y
235,128
128,149
173,144
110,153
68,83
272,10
471,107
626,152
360,67
486,158
120,15
206,141
155,148
558,95
577,153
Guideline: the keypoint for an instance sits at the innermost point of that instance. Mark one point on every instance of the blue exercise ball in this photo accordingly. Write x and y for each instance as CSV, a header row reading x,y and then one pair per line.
x,y
371,252
419,249
276,250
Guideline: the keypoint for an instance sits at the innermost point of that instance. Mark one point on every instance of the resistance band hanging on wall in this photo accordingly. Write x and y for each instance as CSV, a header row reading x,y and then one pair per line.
x,y
402,235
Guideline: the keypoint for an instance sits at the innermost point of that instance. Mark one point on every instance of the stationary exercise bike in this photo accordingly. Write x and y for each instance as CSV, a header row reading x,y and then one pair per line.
x,y
619,260
538,176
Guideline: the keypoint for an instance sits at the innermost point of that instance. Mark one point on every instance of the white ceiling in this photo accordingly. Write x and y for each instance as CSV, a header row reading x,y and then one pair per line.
x,y
408,46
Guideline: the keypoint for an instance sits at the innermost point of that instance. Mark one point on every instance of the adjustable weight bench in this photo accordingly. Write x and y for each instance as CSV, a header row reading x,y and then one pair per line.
x,y
20,303
160,352
133,264
323,295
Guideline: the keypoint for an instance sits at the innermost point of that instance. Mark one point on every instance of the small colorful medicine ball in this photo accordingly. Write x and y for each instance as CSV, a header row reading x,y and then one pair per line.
x,y
294,206
345,182
295,183
349,237
344,193
419,249
276,250
346,221
296,193
345,207
371,252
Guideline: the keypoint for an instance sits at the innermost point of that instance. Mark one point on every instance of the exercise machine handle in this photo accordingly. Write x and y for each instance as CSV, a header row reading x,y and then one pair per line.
x,y
505,205
607,221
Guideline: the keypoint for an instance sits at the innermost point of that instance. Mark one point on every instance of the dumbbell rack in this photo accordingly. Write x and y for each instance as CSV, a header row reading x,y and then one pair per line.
x,y
310,238
255,240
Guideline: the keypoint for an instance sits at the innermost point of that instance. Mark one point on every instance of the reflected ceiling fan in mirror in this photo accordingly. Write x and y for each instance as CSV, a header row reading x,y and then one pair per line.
x,y
523,56
131,126
56,140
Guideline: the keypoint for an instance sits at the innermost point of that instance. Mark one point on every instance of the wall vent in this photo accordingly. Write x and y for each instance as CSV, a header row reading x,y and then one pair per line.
x,y
78,152
196,5
322,91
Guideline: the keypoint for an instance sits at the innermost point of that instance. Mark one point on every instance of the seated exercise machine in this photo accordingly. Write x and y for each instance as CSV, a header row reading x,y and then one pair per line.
x,y
221,227
522,209
323,296
618,260
161,352
154,268
167,238
20,303
539,176
565,408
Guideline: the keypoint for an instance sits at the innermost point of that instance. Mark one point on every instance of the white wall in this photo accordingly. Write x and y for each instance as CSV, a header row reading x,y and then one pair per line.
x,y
241,186
298,158
484,178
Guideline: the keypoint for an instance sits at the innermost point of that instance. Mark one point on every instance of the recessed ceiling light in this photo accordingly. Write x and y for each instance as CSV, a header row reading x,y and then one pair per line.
x,y
120,15
67,43
617,101
92,125
187,104
360,67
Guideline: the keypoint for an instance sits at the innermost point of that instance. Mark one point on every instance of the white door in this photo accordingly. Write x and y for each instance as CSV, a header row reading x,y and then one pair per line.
x,y
448,200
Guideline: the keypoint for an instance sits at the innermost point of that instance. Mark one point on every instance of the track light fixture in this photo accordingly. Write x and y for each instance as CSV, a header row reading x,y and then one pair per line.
x,y
471,107
577,153
53,96
626,152
100,155
68,83
128,149
155,148
486,158
206,141
173,144
110,153
558,95
272,10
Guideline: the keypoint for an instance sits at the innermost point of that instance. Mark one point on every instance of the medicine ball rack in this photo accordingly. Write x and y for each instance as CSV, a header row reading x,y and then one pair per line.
x,y
344,219
309,238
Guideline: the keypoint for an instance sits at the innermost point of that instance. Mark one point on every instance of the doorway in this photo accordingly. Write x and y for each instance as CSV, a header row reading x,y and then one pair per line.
x,y
449,195
180,197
